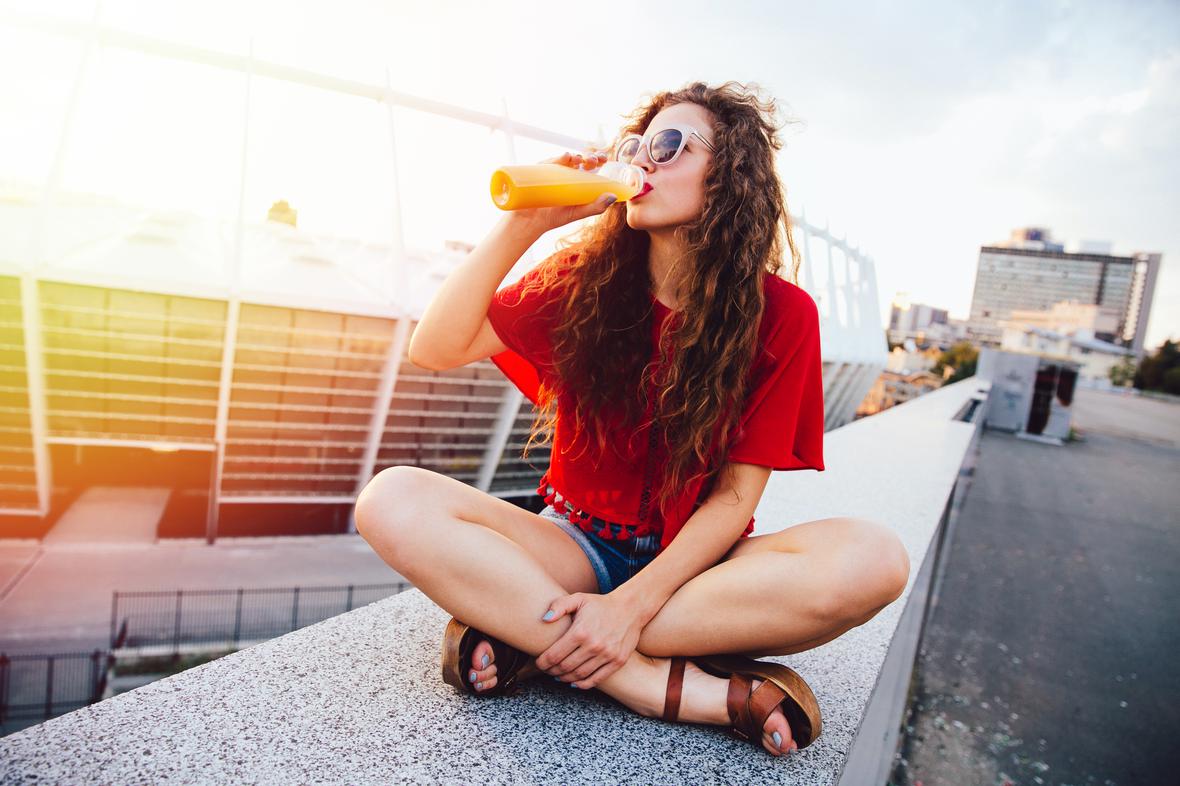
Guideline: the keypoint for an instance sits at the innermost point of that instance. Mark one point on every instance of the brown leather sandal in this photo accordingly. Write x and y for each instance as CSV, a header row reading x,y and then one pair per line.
x,y
749,709
513,666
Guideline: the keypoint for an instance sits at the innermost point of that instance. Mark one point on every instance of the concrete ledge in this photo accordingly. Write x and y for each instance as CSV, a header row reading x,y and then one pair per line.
x,y
358,698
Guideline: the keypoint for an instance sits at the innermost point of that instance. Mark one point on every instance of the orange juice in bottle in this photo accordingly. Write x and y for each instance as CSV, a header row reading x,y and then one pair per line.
x,y
550,185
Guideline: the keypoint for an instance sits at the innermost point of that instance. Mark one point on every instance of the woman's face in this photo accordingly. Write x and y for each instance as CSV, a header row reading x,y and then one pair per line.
x,y
678,189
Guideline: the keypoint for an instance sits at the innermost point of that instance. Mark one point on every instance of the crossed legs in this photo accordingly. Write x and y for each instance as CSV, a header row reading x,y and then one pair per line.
x,y
497,566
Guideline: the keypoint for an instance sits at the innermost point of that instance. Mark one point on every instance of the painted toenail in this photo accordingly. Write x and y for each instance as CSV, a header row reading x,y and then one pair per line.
x,y
485,660
778,739
472,677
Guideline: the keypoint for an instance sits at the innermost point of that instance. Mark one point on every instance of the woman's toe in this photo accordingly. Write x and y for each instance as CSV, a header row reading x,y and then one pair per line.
x,y
483,677
483,651
777,724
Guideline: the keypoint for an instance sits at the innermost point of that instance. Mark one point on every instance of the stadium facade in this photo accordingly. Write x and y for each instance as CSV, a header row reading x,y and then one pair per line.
x,y
258,371
137,358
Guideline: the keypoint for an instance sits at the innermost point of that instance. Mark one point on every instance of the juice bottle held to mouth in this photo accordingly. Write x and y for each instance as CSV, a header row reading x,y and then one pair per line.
x,y
553,185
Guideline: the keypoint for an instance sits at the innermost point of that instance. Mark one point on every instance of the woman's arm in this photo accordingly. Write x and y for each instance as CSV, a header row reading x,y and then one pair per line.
x,y
454,329
706,537
445,336
606,628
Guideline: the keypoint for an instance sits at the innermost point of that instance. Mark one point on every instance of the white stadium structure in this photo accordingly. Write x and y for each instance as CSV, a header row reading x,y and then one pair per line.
x,y
259,371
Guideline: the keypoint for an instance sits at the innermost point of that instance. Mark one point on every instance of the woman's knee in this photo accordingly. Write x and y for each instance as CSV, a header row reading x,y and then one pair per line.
x,y
876,569
887,566
392,498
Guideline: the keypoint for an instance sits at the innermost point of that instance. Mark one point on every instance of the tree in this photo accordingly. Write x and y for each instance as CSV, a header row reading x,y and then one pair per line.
x,y
1172,381
1123,373
962,357
1153,369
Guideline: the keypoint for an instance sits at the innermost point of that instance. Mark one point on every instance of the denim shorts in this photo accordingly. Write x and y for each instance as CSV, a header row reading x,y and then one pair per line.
x,y
614,561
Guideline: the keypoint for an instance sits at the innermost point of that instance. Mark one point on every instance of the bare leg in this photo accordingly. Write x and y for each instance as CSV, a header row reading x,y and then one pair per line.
x,y
784,592
439,533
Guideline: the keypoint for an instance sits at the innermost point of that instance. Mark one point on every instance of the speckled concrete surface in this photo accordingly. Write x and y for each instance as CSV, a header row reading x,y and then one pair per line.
x,y
359,699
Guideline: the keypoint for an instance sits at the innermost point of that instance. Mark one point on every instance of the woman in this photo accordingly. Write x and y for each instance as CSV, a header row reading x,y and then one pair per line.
x,y
675,370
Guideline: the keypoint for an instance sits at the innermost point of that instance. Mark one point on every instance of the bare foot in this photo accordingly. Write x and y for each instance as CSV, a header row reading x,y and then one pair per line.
x,y
703,700
483,677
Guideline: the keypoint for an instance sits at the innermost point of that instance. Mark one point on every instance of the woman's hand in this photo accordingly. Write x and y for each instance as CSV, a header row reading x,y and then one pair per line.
x,y
604,633
545,219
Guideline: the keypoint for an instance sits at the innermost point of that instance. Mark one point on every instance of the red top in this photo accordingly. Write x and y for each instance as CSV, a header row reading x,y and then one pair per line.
x,y
782,422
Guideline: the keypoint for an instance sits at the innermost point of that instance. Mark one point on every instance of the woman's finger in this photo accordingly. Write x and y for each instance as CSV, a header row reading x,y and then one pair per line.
x,y
551,659
602,672
573,662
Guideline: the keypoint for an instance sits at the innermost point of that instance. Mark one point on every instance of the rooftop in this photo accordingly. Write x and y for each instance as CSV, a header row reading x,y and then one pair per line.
x,y
359,699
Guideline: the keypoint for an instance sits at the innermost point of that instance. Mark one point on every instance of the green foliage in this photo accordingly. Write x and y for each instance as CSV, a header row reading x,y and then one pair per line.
x,y
1122,374
962,357
1154,370
167,665
1172,381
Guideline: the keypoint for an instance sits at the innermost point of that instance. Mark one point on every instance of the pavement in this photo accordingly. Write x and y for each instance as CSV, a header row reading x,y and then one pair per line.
x,y
1049,657
111,514
56,597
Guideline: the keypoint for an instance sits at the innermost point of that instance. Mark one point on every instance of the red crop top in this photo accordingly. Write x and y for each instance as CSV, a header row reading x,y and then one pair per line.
x,y
782,424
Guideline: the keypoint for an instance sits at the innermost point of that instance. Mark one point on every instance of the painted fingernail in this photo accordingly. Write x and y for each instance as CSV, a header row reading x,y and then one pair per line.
x,y
485,660
549,615
611,199
573,684
479,686
778,739
472,677
557,678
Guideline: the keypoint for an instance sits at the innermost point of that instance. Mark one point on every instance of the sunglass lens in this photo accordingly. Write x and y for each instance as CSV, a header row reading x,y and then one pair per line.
x,y
664,145
627,150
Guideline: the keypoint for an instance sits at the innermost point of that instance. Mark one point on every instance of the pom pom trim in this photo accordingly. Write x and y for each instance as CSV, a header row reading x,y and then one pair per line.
x,y
588,521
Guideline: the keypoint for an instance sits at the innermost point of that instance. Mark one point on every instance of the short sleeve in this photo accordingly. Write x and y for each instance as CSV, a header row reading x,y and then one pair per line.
x,y
782,423
524,317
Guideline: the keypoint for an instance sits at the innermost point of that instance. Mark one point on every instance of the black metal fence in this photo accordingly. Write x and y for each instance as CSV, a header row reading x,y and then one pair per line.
x,y
179,617
34,688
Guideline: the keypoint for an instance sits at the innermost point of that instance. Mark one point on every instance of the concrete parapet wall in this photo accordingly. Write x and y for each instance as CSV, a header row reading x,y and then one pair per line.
x,y
359,699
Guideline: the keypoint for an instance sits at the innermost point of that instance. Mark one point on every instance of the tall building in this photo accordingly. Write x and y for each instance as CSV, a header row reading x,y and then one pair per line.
x,y
1032,272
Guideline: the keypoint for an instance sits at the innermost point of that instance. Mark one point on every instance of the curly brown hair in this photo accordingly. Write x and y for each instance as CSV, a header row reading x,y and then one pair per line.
x,y
605,341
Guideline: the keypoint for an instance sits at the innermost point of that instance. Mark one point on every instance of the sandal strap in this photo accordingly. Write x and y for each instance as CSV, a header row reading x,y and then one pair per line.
x,y
509,661
737,705
762,702
749,709
675,684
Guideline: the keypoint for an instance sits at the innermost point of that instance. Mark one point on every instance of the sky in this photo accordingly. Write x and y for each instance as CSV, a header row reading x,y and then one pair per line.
x,y
920,130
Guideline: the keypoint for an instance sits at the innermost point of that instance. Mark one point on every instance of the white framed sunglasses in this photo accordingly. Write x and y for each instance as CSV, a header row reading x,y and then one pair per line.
x,y
663,147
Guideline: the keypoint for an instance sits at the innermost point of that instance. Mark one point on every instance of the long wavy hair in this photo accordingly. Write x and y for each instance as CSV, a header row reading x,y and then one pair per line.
x,y
603,350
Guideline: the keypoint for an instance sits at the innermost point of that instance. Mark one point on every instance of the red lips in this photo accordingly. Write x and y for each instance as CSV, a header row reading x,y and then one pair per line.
x,y
646,188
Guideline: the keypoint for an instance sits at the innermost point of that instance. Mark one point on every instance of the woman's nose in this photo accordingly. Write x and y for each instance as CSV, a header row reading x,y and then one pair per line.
x,y
641,160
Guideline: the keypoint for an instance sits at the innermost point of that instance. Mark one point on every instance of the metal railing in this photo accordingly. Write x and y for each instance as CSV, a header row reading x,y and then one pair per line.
x,y
199,617
37,687
40,687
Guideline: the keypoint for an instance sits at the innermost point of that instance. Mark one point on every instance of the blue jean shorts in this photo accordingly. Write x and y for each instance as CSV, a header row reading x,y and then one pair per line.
x,y
614,561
